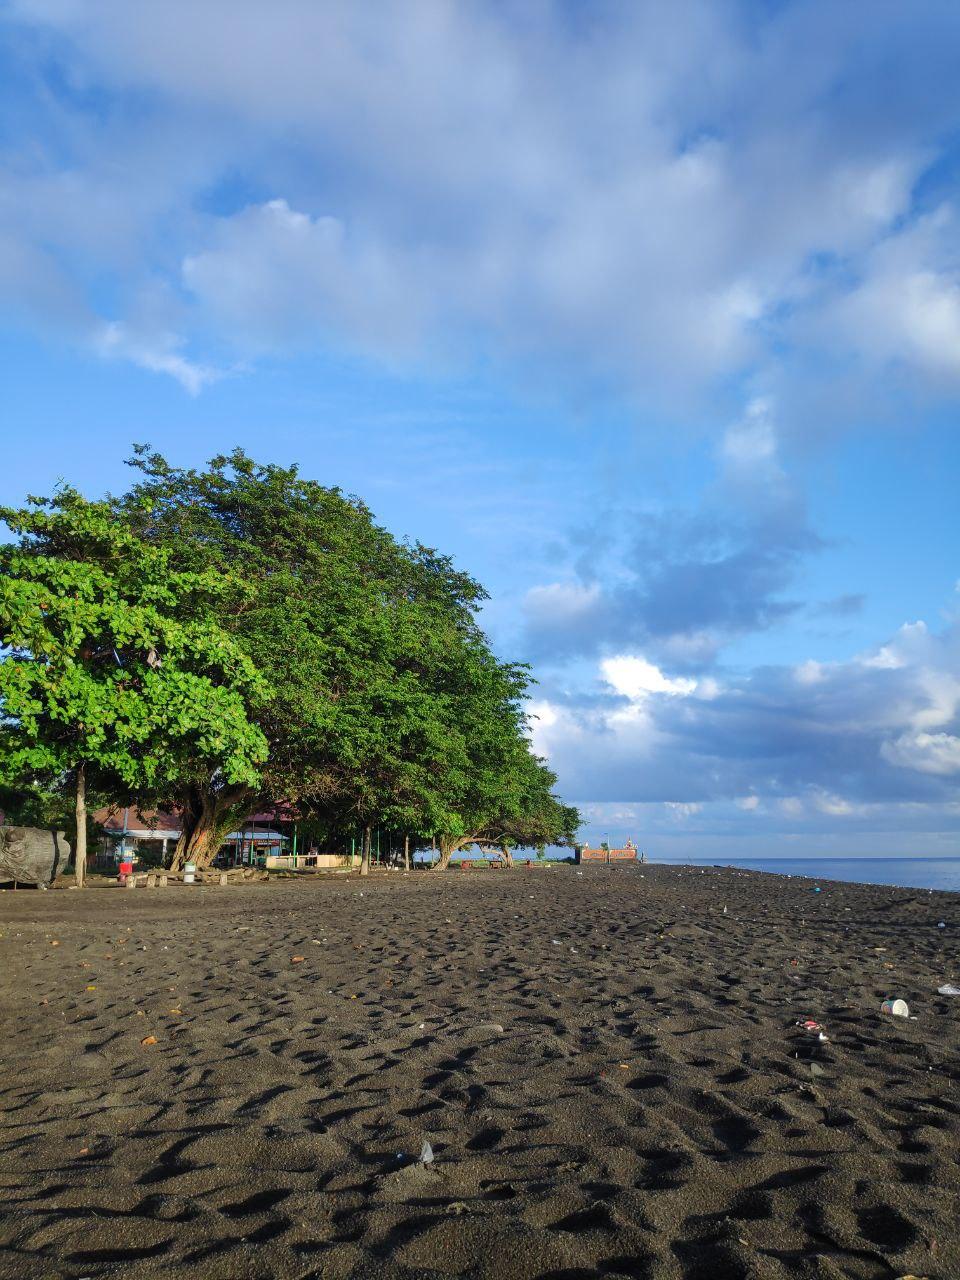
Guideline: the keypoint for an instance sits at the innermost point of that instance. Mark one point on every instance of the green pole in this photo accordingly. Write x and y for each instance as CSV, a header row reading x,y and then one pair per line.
x,y
378,846
353,843
294,846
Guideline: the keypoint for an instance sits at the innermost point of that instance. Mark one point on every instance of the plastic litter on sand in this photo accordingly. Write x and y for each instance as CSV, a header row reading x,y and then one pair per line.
x,y
813,1028
948,989
426,1153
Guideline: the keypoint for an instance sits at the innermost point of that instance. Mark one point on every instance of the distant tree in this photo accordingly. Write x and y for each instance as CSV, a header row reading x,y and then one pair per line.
x,y
501,794
116,671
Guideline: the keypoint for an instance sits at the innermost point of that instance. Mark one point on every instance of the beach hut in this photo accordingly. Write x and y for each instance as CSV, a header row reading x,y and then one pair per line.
x,y
257,843
149,834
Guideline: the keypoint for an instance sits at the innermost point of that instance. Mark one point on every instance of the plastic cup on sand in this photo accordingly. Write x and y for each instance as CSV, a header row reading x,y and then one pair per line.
x,y
898,1008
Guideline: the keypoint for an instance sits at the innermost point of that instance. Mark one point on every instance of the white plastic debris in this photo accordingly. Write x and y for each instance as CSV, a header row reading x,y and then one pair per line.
x,y
948,989
426,1153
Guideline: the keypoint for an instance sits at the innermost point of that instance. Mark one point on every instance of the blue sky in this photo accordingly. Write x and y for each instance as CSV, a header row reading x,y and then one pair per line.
x,y
649,314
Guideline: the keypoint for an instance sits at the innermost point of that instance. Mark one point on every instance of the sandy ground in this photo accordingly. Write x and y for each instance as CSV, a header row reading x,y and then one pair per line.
x,y
607,1066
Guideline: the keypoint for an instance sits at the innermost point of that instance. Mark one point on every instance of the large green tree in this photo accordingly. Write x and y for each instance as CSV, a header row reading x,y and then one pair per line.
x,y
116,670
360,637
386,705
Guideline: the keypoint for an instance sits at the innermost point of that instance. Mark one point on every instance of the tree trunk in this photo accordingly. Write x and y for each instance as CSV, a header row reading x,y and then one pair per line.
x,y
195,836
202,846
406,853
365,854
190,812
201,838
506,855
449,847
178,855
80,854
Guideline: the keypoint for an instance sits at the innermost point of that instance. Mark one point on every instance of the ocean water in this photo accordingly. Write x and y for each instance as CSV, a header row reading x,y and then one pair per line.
x,y
912,873
907,873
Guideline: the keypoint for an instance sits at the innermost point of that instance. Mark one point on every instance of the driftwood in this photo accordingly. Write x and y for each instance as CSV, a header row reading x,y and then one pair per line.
x,y
208,875
232,875
146,880
31,855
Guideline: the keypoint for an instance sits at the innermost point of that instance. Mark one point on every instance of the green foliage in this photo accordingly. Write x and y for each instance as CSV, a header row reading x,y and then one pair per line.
x,y
501,793
114,659
26,806
361,638
236,637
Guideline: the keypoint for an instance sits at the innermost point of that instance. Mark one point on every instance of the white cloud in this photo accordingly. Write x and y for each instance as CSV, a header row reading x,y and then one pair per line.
x,y
833,805
937,753
634,677
543,713
905,309
551,724
751,444
884,659
158,353
276,277
708,688
643,199
623,732
681,810
861,734
809,672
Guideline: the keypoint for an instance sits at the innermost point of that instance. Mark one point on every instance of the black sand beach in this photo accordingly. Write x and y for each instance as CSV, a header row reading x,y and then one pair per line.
x,y
607,1067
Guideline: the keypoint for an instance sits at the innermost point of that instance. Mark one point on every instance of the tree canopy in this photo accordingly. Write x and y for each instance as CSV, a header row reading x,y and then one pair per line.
x,y
115,669
235,637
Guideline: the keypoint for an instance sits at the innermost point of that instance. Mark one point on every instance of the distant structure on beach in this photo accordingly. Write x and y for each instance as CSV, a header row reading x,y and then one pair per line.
x,y
628,853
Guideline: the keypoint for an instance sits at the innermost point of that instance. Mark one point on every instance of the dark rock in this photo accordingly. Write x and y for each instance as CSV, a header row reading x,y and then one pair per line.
x,y
31,855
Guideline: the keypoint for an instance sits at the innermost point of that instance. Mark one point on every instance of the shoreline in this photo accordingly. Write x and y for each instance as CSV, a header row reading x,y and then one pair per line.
x,y
99,880
607,1066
